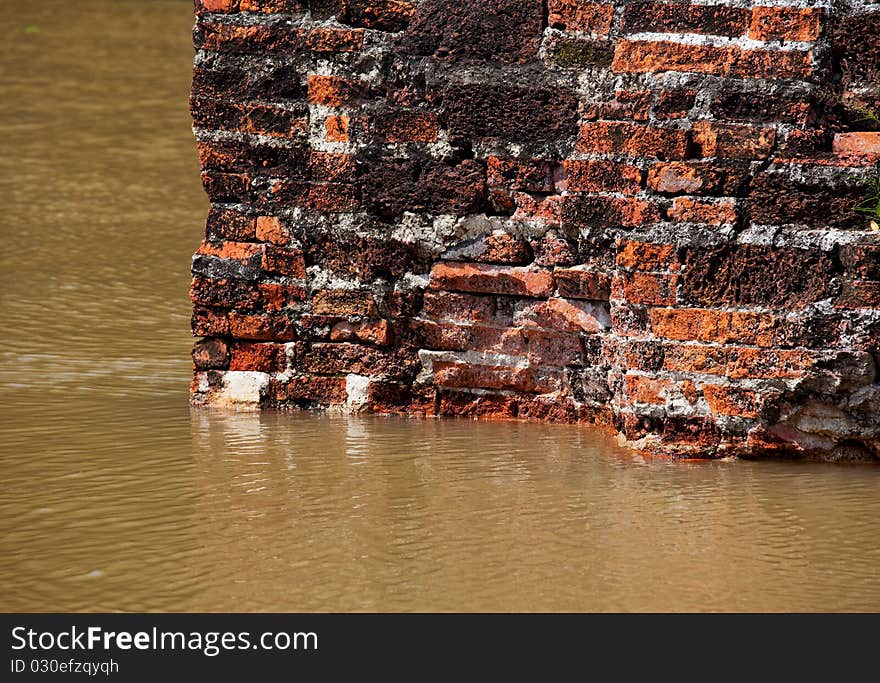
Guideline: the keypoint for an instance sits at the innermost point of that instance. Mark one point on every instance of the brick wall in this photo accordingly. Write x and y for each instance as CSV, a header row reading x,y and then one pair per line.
x,y
635,214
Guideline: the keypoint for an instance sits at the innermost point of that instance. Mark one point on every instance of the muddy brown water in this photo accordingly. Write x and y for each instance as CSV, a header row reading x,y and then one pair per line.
x,y
115,496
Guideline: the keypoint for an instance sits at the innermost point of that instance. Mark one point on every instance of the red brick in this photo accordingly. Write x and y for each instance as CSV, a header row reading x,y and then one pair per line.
x,y
333,91
282,261
344,302
504,248
271,229
641,389
729,400
382,15
602,176
627,104
785,23
248,39
469,376
276,296
265,327
474,277
618,137
862,261
582,284
377,332
335,40
452,337
591,210
578,15
652,289
553,408
547,210
229,225
274,121
649,56
272,6
572,315
257,357
635,255
690,210
733,141
344,358
684,177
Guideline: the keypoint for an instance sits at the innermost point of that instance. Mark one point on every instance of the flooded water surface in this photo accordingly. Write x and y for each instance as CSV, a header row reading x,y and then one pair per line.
x,y
115,496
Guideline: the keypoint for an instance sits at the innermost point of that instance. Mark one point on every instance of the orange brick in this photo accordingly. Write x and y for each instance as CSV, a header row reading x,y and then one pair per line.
x,y
276,296
785,23
620,137
652,289
635,255
642,389
333,91
336,129
326,390
577,15
729,400
690,210
858,145
231,250
711,360
468,376
697,324
271,229
257,357
649,56
217,5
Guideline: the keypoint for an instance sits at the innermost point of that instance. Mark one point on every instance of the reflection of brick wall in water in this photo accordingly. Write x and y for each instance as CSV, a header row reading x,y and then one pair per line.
x,y
636,214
